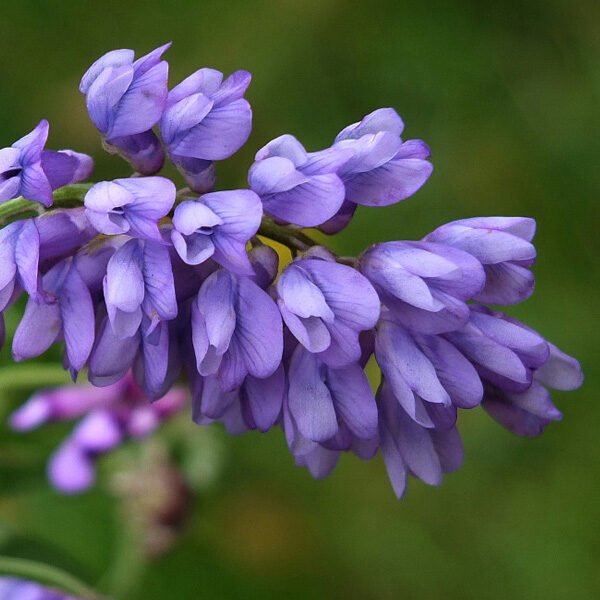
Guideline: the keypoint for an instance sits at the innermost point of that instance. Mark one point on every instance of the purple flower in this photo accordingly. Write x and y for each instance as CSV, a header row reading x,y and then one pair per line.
x,y
12,588
217,225
296,186
322,399
125,99
504,351
502,245
206,118
308,415
19,260
426,374
29,245
67,314
236,330
27,170
425,285
382,169
138,282
143,151
132,206
110,415
326,305
256,404
517,366
410,449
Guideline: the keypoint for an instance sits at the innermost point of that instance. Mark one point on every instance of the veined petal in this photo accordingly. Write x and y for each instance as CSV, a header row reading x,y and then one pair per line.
x,y
301,296
220,134
142,105
308,204
259,330
77,314
37,331
354,400
309,399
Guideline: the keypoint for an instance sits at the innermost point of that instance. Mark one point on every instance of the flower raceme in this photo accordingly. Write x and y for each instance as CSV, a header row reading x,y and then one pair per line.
x,y
146,286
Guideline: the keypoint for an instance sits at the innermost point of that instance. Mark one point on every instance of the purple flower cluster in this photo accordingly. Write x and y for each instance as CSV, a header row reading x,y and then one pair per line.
x,y
167,283
107,417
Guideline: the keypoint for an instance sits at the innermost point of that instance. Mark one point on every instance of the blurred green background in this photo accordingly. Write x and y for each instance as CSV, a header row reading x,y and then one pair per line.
x,y
508,96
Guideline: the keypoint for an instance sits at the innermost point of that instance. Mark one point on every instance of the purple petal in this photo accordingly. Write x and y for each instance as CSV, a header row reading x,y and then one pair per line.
x,y
142,150
37,331
311,332
32,144
285,146
265,398
340,220
506,283
213,321
418,451
395,181
27,255
488,245
400,358
233,88
274,175
183,115
259,330
560,371
220,134
265,264
124,289
382,119
111,356
155,360
158,280
70,470
104,94
142,105
35,185
491,355
301,295
154,196
65,167
114,58
206,81
309,398
348,293
98,432
354,400
308,204
77,313
456,374
200,175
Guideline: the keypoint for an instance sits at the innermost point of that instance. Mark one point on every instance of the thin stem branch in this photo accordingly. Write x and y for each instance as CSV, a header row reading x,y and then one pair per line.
x,y
46,574
288,236
68,196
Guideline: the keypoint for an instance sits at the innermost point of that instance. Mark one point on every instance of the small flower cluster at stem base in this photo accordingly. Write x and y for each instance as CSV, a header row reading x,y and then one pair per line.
x,y
146,286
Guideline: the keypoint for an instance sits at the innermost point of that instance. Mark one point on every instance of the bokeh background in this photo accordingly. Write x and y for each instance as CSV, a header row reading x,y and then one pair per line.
x,y
508,96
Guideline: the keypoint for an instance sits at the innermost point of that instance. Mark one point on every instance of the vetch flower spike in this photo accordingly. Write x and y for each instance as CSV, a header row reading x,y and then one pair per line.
x,y
149,285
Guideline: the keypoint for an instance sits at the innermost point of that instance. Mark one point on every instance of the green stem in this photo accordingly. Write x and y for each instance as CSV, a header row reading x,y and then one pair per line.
x,y
70,196
292,238
46,574
65,197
